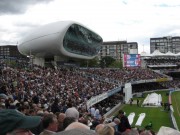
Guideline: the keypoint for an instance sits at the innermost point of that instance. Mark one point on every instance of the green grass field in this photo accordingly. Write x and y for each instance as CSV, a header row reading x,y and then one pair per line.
x,y
157,115
176,106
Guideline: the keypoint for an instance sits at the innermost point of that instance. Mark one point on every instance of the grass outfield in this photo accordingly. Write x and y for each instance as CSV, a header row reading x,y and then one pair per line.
x,y
176,106
157,115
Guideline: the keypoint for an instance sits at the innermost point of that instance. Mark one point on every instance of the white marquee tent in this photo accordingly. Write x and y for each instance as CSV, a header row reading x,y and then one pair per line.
x,y
152,99
158,53
170,54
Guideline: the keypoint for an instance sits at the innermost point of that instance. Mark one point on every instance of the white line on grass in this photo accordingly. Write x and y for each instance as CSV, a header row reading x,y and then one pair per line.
x,y
177,106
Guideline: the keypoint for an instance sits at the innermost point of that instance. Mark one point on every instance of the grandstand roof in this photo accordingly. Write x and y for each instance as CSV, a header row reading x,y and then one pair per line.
x,y
170,54
178,54
158,53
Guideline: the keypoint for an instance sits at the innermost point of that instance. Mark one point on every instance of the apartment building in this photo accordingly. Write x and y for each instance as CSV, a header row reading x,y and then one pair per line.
x,y
116,49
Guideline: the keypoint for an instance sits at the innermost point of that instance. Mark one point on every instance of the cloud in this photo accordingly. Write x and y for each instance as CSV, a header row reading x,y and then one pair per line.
x,y
4,42
17,6
167,30
163,5
26,24
131,20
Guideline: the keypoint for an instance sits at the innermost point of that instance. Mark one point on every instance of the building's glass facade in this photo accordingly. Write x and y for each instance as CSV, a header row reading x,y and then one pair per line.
x,y
82,41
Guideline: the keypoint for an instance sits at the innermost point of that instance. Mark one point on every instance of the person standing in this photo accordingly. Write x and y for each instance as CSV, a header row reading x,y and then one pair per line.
x,y
92,110
124,122
137,102
97,114
131,101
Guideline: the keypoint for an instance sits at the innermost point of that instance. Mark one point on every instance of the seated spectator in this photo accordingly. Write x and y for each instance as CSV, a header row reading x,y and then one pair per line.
x,y
99,127
94,123
67,121
115,124
145,132
50,124
77,125
106,130
83,120
72,112
77,131
61,118
130,132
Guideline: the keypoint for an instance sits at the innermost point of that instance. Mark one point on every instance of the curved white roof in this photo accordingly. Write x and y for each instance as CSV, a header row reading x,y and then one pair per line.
x,y
47,29
47,40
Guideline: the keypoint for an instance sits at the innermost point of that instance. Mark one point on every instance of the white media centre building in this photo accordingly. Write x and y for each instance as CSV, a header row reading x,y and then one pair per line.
x,y
60,41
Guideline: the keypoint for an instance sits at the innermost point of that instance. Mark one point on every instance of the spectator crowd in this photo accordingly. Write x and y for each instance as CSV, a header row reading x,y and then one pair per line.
x,y
59,96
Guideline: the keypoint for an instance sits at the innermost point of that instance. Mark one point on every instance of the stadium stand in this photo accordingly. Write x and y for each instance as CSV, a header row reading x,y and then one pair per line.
x,y
47,90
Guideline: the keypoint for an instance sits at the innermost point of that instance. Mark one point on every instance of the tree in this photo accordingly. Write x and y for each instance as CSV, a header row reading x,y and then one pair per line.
x,y
83,63
116,64
93,62
106,61
90,63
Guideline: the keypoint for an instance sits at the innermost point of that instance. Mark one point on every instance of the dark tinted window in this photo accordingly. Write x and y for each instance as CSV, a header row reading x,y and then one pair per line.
x,y
82,41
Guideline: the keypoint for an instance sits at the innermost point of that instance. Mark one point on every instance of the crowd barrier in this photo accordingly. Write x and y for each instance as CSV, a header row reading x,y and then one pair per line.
x,y
108,114
102,96
105,95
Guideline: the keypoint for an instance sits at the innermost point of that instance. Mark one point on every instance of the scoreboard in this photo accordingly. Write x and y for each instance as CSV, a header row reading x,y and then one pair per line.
x,y
131,60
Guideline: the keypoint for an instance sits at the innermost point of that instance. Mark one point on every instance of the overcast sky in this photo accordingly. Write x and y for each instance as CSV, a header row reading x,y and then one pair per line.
x,y
131,20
